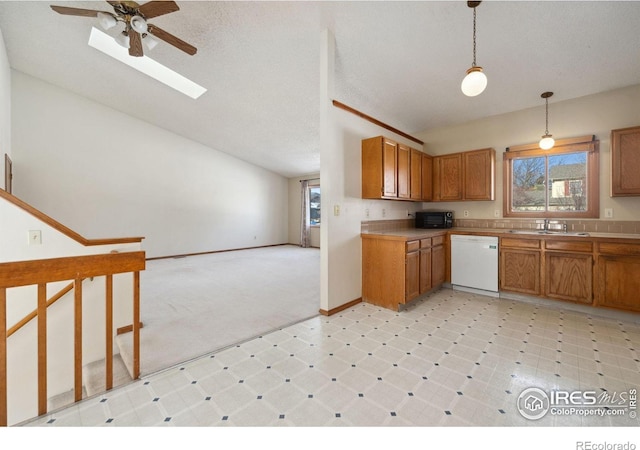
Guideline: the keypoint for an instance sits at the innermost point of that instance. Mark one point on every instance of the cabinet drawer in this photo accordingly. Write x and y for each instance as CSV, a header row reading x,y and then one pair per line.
x,y
612,248
437,240
425,243
573,246
520,243
413,246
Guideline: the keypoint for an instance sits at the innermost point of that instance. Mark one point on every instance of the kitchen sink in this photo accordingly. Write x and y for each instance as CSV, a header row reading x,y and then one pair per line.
x,y
550,232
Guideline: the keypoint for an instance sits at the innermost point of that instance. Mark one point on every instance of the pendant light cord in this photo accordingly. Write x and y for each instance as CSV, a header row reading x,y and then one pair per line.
x,y
546,123
474,37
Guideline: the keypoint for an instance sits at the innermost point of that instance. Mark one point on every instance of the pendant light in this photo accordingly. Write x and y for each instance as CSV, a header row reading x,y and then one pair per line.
x,y
547,141
475,81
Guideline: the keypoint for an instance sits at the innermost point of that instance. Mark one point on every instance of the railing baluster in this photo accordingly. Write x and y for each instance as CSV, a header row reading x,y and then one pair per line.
x,y
3,357
42,348
136,325
109,331
77,333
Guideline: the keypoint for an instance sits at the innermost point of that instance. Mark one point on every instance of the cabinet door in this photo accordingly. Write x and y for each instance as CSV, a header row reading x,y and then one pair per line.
x,y
619,283
625,162
568,276
425,270
427,178
404,171
389,168
416,175
438,265
448,177
479,174
412,275
520,271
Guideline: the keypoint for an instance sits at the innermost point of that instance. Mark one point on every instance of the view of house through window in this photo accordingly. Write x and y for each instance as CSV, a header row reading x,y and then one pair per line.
x,y
314,204
560,182
550,183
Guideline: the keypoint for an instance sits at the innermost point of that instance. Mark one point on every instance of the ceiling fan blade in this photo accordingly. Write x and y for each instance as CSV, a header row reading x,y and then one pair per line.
x,y
171,39
157,8
75,11
135,43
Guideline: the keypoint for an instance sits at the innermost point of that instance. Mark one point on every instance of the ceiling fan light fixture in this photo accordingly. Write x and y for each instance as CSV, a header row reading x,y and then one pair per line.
x,y
139,24
475,82
106,20
547,141
123,39
149,42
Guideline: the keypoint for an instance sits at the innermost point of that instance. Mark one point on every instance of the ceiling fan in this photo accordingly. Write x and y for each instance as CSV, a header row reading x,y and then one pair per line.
x,y
136,28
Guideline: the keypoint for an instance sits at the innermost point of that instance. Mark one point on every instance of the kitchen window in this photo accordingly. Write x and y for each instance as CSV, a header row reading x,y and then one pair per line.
x,y
561,182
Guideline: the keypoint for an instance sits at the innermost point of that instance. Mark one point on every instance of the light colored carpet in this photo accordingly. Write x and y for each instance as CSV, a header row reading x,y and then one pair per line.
x,y
194,305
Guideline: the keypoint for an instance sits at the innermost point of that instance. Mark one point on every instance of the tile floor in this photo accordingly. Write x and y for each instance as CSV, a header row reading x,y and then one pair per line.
x,y
451,359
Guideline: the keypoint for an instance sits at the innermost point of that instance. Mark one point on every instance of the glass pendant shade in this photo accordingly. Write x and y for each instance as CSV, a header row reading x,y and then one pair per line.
x,y
474,83
149,42
123,39
139,24
546,142
106,20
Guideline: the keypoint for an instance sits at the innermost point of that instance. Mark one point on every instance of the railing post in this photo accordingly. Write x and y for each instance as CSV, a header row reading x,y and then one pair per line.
x,y
136,325
42,348
3,357
77,332
109,331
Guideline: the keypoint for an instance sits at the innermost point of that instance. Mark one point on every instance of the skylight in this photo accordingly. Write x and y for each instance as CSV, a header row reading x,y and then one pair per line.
x,y
106,44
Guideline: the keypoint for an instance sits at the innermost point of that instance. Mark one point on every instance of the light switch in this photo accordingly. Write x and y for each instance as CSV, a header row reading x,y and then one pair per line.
x,y
35,237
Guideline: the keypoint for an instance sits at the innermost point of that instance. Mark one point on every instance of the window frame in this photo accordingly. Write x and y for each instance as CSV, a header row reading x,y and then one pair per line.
x,y
573,145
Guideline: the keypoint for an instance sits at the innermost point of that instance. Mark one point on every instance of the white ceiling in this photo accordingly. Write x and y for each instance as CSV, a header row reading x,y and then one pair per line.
x,y
400,62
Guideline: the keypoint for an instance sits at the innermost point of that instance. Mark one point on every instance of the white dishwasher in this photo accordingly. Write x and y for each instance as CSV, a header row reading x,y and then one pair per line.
x,y
474,264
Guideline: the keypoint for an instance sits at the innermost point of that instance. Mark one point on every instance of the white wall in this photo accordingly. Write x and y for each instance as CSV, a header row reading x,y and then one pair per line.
x,y
5,108
590,115
106,174
295,201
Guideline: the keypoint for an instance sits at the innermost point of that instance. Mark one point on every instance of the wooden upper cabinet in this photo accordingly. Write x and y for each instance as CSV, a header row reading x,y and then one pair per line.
x,y
391,170
447,177
416,175
625,162
427,178
379,168
464,176
404,172
479,174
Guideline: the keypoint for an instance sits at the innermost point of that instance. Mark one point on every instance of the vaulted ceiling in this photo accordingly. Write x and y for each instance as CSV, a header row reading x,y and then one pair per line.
x,y
401,62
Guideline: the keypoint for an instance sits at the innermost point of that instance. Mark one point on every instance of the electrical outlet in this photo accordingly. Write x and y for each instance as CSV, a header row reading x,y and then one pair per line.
x,y
366,213
465,213
496,213
608,213
384,212
35,237
336,210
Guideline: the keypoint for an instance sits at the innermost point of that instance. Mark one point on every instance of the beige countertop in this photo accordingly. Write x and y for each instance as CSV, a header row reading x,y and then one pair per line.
x,y
415,233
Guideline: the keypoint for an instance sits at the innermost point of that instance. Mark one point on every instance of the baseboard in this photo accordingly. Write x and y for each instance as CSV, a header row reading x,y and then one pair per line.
x,y
332,311
184,255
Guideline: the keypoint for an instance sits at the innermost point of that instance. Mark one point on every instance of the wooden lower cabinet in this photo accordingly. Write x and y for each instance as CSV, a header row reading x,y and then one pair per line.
x,y
519,265
618,276
520,271
396,271
569,276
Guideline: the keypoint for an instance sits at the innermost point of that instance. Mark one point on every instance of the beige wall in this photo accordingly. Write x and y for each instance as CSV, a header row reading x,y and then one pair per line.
x,y
295,210
594,114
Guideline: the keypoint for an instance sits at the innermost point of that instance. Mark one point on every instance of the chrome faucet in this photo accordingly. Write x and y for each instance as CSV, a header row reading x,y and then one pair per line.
x,y
546,225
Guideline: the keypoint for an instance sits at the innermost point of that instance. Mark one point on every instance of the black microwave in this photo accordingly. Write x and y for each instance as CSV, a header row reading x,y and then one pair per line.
x,y
434,219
